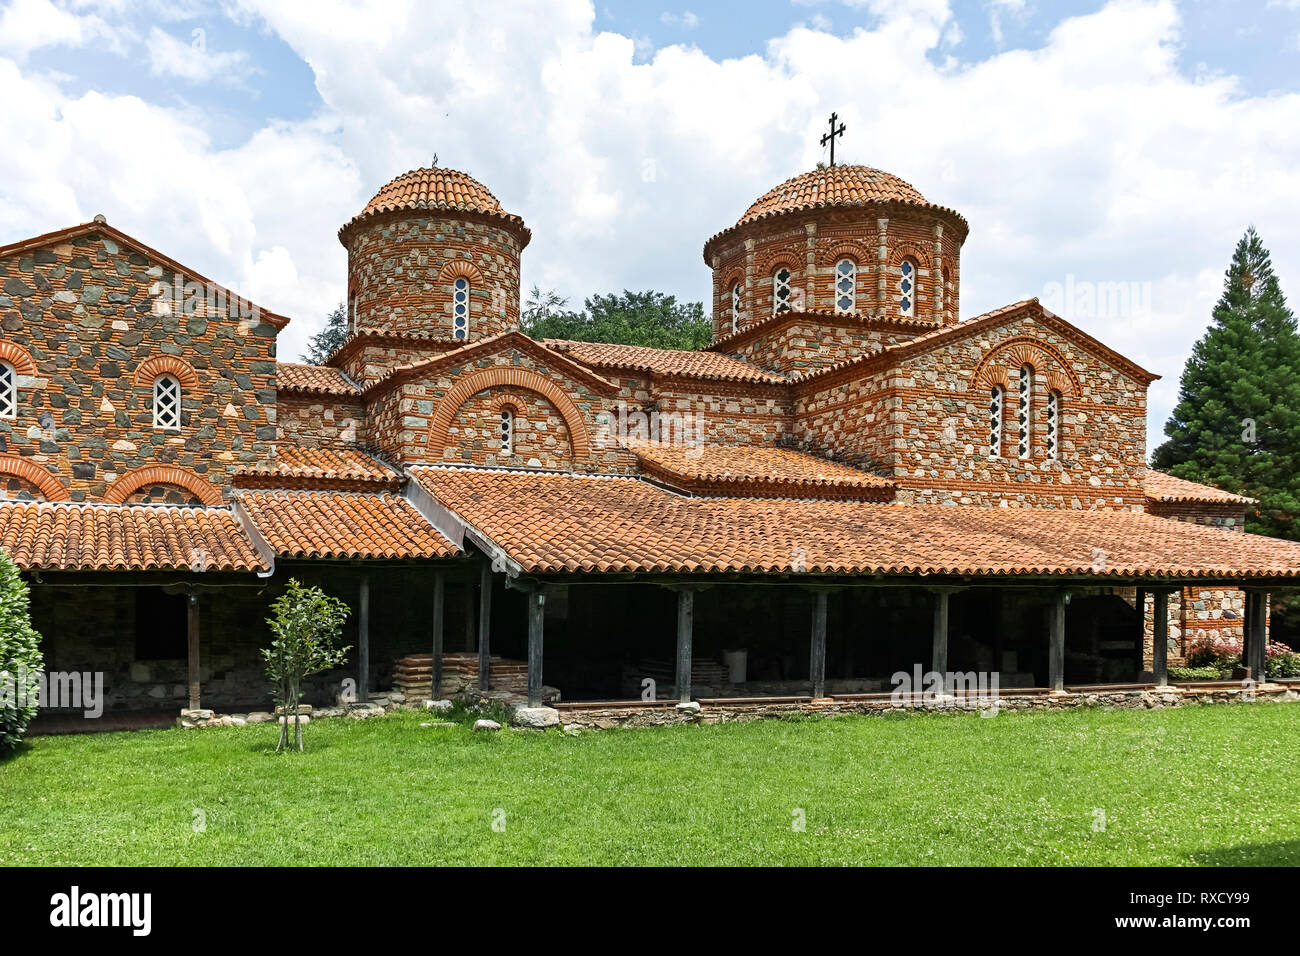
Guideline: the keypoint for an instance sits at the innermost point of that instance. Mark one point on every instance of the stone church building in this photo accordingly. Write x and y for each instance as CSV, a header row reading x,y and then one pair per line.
x,y
849,482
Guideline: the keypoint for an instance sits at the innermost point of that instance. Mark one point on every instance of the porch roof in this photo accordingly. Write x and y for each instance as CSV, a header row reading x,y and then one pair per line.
x,y
342,469
558,523
66,536
338,524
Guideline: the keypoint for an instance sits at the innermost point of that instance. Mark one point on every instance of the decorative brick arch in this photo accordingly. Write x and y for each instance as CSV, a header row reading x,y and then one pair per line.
x,y
524,379
1023,350
507,400
149,370
830,253
793,259
454,269
17,356
34,475
911,250
133,481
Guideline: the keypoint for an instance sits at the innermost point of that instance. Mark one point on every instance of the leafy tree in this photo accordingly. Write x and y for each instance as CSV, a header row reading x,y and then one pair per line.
x,y
20,657
327,341
1237,422
306,623
632,318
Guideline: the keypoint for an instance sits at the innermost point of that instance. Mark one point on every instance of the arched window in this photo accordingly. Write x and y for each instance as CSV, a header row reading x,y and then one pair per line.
x,y
781,291
735,307
460,308
507,431
166,402
995,421
1024,411
8,391
907,288
846,286
1053,423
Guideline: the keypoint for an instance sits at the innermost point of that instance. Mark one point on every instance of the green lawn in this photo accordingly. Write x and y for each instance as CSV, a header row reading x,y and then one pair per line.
x,y
1197,785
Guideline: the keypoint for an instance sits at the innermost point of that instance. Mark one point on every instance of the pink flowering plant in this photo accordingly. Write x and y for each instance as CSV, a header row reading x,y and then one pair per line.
x,y
1223,654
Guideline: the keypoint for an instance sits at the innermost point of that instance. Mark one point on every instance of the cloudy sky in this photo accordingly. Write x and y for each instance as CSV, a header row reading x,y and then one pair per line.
x,y
1121,147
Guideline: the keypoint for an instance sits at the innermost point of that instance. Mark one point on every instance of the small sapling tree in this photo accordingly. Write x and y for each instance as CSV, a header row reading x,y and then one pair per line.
x,y
306,624
20,657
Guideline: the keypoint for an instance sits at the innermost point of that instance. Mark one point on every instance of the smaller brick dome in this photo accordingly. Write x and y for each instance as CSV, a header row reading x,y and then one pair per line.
x,y
437,189
832,186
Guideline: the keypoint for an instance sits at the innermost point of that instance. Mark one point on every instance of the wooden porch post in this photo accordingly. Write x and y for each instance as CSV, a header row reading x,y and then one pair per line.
x,y
1056,643
470,632
1160,638
817,656
484,627
1254,653
439,594
192,634
536,619
939,648
685,634
363,639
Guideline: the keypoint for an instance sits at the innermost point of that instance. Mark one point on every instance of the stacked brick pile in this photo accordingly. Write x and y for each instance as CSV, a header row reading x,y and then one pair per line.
x,y
413,675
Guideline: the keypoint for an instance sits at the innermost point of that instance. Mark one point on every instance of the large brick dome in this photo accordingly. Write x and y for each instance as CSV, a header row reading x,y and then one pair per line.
x,y
437,189
832,186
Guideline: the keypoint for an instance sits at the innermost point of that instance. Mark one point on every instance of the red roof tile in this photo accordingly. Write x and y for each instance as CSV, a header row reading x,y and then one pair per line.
x,y
334,524
639,358
437,189
1165,487
320,379
337,468
81,537
549,523
756,471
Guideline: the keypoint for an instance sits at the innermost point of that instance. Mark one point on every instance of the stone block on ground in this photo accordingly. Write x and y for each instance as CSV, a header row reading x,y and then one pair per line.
x,y
486,725
535,718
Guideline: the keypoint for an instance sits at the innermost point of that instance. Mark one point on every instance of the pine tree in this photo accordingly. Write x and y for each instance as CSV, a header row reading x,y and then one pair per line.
x,y
1237,422
327,341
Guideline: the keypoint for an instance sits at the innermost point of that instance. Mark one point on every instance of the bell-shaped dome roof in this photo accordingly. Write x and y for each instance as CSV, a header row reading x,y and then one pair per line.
x,y
832,186
437,189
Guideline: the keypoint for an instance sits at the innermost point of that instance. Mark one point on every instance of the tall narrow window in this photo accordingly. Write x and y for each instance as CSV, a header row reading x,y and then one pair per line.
x,y
907,288
735,307
507,429
995,421
352,315
781,291
166,402
1053,423
1024,412
8,391
846,285
460,309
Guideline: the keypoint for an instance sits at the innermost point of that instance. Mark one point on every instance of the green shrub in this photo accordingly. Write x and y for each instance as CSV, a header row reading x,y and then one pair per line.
x,y
20,657
1283,662
1198,673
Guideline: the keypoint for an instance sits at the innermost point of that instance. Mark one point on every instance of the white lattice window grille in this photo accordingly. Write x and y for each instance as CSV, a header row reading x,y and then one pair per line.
x,y
781,291
1024,410
166,402
907,288
1053,423
846,286
995,421
460,308
735,307
507,431
8,391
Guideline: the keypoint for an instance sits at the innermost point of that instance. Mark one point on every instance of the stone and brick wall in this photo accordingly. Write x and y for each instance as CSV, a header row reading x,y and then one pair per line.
x,y
99,319
321,421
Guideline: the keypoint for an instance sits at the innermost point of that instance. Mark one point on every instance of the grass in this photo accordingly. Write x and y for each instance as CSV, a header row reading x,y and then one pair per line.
x,y
1198,785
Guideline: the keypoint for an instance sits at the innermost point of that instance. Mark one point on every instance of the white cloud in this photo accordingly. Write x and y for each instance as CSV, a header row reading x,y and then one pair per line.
x,y
1093,156
686,19
193,61
27,25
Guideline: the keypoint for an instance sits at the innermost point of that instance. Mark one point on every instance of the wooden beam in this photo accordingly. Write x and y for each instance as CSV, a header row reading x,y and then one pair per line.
x,y
485,627
685,633
1160,638
1056,642
363,639
536,619
192,629
939,637
817,654
439,601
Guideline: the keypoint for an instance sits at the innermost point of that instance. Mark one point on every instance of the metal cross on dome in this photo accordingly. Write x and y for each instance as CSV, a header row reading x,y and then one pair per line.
x,y
830,137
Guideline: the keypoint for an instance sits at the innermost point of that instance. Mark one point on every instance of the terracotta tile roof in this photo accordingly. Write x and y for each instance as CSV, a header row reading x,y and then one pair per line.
x,y
756,471
81,537
336,524
338,468
1164,487
321,379
438,189
833,186
570,523
639,358
857,319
